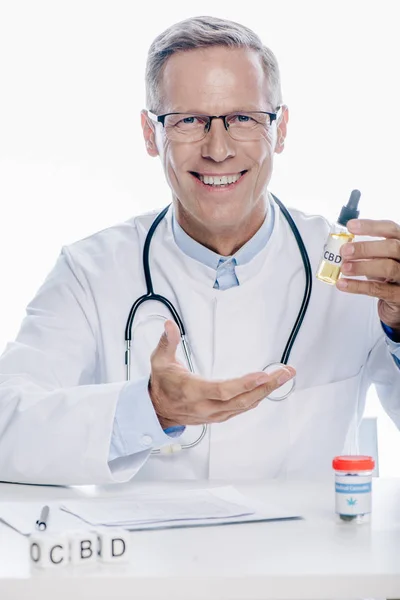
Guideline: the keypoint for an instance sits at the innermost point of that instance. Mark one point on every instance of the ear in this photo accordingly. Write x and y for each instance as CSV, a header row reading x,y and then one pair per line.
x,y
149,133
281,130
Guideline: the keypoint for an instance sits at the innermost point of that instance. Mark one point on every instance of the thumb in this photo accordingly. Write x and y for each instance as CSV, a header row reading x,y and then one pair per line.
x,y
169,340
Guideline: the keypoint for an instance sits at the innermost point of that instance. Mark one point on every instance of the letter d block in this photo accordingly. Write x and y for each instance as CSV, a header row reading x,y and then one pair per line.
x,y
48,550
113,545
82,547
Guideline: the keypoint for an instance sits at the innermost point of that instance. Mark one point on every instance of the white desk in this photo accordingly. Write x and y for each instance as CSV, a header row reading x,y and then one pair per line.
x,y
313,558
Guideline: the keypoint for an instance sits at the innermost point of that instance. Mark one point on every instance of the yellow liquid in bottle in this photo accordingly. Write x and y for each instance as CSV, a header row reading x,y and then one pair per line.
x,y
328,271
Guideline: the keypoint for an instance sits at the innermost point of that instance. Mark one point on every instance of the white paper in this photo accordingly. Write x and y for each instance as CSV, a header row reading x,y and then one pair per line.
x,y
156,510
174,509
146,508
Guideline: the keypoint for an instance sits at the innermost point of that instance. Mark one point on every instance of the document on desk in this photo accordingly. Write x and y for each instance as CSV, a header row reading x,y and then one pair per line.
x,y
187,508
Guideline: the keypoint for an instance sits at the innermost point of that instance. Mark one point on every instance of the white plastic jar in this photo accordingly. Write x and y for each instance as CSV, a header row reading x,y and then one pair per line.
x,y
353,488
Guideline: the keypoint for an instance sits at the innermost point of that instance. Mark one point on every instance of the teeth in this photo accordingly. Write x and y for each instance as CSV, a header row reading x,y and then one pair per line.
x,y
207,179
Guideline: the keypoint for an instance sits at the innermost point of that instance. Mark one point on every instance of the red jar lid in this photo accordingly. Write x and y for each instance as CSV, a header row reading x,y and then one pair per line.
x,y
353,463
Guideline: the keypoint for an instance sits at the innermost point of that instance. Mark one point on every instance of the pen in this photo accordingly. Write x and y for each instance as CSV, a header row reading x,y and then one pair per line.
x,y
41,523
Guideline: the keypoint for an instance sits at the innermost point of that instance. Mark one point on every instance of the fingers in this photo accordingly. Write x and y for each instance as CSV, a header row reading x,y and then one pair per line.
x,y
387,229
218,412
195,409
245,401
374,269
390,292
389,248
225,390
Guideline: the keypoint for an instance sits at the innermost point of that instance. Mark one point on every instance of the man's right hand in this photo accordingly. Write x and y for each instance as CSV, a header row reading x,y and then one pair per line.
x,y
183,398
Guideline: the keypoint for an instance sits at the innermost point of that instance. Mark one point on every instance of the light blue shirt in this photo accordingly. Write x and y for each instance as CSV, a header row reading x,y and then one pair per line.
x,y
136,426
224,266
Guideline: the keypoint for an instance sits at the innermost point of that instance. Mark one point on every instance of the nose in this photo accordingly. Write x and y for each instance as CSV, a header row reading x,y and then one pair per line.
x,y
218,144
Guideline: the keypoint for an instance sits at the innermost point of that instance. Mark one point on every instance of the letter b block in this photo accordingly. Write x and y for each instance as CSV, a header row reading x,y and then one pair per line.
x,y
49,550
82,547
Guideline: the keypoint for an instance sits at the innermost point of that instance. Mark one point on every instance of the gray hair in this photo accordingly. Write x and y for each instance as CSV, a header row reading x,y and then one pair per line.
x,y
203,32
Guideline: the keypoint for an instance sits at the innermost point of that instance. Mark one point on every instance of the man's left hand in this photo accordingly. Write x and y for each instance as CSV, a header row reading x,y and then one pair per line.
x,y
379,261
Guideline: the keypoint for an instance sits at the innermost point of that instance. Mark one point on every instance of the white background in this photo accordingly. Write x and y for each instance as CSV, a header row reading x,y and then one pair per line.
x,y
72,158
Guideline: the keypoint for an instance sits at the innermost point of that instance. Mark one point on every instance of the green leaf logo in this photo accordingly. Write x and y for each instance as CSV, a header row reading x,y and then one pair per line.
x,y
351,501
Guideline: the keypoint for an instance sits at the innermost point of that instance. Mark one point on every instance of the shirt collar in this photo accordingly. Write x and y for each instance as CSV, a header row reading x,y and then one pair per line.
x,y
211,259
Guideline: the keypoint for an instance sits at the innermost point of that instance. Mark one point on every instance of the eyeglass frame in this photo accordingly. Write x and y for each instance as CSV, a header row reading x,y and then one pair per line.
x,y
161,118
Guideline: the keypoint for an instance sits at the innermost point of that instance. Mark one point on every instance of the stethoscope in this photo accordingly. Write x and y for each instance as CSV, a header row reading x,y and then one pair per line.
x,y
280,393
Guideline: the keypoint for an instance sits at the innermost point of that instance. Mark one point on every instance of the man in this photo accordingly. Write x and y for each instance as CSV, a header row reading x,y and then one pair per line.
x,y
226,258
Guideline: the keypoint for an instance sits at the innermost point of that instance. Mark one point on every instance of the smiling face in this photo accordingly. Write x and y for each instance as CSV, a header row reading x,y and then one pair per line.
x,y
217,81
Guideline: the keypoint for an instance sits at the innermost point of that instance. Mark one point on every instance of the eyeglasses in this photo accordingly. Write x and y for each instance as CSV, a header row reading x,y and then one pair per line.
x,y
241,126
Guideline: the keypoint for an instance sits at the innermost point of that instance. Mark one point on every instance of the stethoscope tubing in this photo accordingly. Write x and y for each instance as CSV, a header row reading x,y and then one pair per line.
x,y
150,295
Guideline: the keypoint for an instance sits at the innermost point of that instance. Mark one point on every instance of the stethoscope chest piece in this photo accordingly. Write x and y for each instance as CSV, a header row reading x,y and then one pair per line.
x,y
285,389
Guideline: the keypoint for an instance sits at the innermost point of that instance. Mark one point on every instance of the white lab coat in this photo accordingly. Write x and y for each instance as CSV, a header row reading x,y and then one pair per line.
x,y
61,379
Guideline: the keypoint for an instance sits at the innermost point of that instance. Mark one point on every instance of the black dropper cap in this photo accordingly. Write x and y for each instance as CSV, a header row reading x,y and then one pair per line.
x,y
350,211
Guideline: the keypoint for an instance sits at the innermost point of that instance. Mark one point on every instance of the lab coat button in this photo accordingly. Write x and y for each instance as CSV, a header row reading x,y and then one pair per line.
x,y
147,440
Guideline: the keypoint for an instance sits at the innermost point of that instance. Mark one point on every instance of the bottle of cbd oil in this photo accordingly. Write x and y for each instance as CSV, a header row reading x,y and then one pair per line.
x,y
329,268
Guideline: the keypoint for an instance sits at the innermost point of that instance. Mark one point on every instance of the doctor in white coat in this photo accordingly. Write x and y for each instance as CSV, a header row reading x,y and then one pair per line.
x,y
224,255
